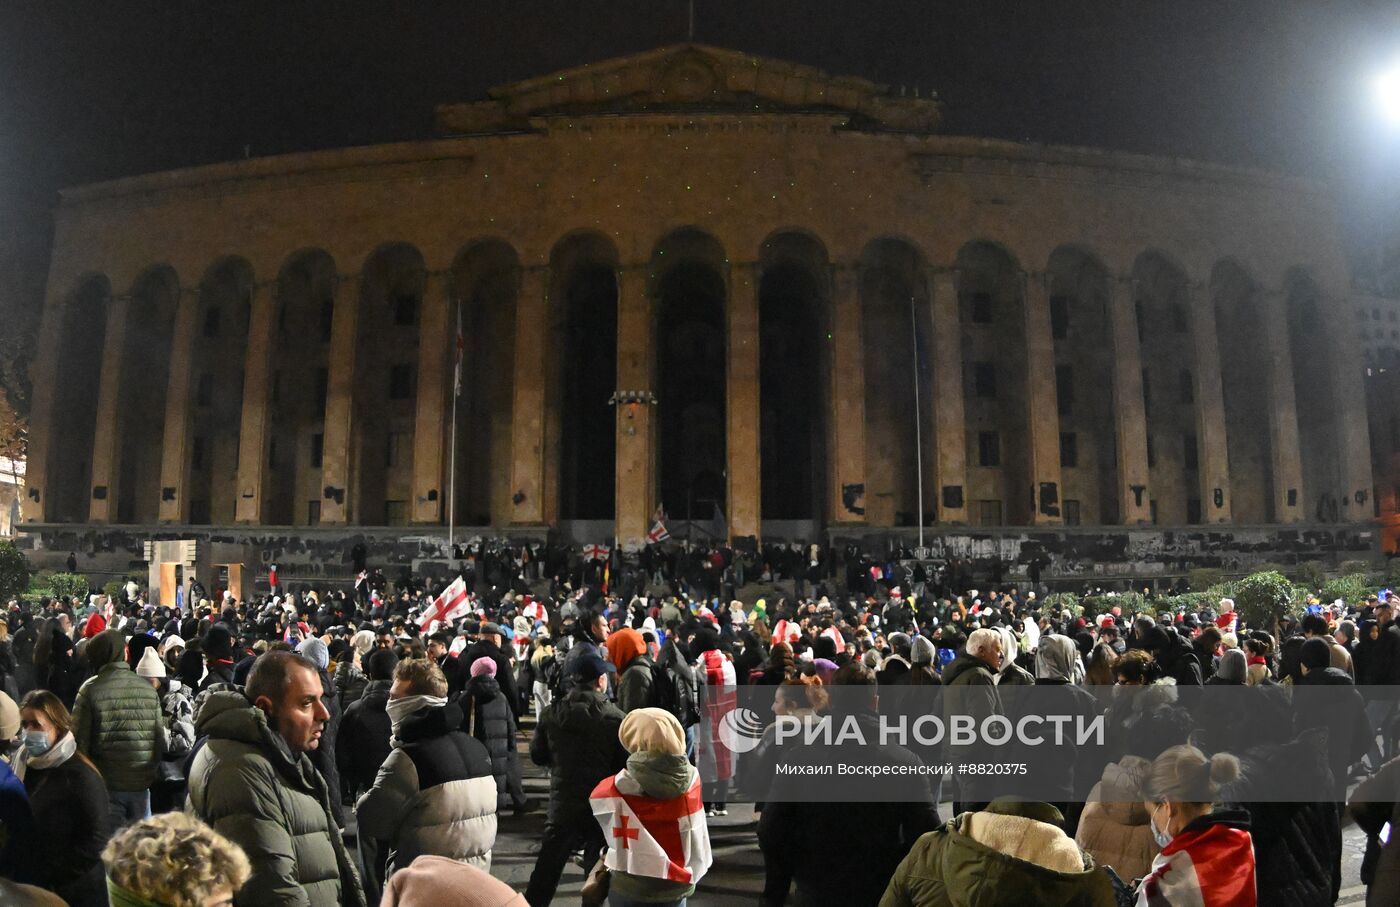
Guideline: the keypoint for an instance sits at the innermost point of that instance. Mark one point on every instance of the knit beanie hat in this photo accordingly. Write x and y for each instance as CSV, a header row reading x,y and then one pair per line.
x,y
1316,654
652,731
150,665
380,665
432,880
484,665
825,668
922,651
218,644
315,651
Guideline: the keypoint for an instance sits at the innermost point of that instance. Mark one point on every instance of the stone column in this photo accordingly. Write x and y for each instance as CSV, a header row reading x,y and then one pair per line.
x,y
339,433
847,468
1041,403
433,419
1129,408
1212,440
949,422
742,406
106,439
1354,431
528,416
255,424
175,458
44,374
1287,461
635,474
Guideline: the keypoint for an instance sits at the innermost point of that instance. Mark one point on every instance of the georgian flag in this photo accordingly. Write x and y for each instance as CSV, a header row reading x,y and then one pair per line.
x,y
534,610
787,631
596,552
835,636
658,533
450,605
656,839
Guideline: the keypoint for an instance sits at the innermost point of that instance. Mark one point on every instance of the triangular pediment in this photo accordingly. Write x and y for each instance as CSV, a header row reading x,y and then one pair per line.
x,y
693,78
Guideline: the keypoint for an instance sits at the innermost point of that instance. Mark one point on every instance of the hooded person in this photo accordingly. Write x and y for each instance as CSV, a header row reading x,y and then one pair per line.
x,y
1324,696
1057,694
1114,826
628,653
1012,674
659,792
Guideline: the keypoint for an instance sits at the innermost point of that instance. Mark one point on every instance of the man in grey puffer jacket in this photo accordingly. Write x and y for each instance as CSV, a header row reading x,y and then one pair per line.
x,y
118,724
435,794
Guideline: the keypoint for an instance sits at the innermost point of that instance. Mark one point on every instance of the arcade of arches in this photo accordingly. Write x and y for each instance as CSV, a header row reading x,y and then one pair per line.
x,y
777,386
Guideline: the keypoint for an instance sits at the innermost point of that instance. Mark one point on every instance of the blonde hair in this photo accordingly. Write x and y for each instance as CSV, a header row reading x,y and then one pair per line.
x,y
423,676
1184,774
175,860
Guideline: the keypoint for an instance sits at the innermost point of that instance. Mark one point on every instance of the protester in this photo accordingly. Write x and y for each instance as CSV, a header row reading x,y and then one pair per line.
x,y
578,740
628,653
119,725
659,792
432,881
489,719
252,781
1375,802
173,860
1114,827
68,801
435,793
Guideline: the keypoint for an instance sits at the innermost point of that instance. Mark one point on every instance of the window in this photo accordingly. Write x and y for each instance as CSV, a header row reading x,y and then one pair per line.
x,y
327,318
323,382
401,382
1140,311
988,448
313,513
199,512
989,513
399,449
1193,510
1069,450
1179,323
211,321
1146,393
396,513
1190,454
1071,512
1059,317
197,452
204,393
984,379
1152,509
1064,389
981,308
1187,386
1151,453
318,450
405,309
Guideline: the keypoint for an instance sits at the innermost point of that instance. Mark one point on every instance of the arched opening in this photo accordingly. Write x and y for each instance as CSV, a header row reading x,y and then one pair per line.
x,y
487,279
792,308
145,372
221,338
992,317
298,386
1244,375
1079,325
583,282
894,299
1323,495
386,377
1174,457
69,480
690,289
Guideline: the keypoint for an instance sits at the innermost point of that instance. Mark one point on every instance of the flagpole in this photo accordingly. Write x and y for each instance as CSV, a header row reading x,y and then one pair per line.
x,y
918,421
452,467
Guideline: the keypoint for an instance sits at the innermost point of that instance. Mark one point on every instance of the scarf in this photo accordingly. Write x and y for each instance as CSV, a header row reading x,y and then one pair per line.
x,y
58,754
399,709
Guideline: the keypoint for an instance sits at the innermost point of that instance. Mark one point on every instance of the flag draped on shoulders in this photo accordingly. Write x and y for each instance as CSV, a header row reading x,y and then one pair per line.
x,y
658,839
716,675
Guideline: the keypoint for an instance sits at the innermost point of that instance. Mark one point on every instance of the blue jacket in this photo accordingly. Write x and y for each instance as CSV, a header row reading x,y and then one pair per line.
x,y
16,827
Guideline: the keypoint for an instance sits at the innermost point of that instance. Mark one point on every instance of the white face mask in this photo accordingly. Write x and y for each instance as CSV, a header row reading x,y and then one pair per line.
x,y
1161,837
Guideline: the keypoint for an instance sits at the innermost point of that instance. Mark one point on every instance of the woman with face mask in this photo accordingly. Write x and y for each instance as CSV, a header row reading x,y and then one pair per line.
x,y
68,799
1207,854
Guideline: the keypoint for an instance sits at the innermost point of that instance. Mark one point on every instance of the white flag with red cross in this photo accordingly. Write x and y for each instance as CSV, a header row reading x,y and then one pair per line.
x,y
596,552
658,839
447,607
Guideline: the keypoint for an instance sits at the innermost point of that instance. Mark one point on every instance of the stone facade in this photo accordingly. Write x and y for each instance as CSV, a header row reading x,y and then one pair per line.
x,y
736,288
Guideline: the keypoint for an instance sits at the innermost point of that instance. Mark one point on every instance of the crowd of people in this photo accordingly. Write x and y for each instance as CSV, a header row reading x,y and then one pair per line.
x,y
217,754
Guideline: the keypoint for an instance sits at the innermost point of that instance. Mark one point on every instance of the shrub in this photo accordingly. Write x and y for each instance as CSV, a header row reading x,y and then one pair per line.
x,y
14,572
1349,567
1263,598
1202,578
1310,574
1351,588
1064,601
67,585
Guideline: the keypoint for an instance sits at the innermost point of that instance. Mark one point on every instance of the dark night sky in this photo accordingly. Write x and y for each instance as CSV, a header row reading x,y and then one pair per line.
x,y
95,90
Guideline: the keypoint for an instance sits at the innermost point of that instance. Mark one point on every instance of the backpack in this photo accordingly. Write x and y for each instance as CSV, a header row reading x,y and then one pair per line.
x,y
674,695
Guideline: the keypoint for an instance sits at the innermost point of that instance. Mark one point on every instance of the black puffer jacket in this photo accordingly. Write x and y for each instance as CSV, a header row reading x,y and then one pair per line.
x,y
1328,698
71,826
490,720
324,756
363,741
505,674
1295,844
577,737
